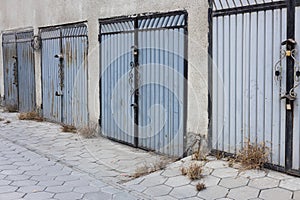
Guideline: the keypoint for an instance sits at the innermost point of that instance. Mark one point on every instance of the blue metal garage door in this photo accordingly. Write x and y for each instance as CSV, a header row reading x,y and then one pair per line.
x,y
143,80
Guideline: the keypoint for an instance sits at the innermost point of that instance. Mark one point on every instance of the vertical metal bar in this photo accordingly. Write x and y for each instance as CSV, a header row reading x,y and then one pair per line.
x,y
289,85
61,78
136,89
100,78
185,86
210,79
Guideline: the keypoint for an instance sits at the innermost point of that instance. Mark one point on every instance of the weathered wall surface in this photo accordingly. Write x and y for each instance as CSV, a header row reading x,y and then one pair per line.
x,y
19,14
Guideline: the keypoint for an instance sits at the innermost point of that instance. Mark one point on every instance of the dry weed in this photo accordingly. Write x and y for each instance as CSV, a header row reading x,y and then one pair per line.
x,y
30,116
149,168
253,156
11,108
1,119
7,122
68,128
200,186
89,131
193,171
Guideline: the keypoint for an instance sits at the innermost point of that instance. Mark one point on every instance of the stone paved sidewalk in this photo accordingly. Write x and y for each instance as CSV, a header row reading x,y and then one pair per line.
x,y
37,156
27,175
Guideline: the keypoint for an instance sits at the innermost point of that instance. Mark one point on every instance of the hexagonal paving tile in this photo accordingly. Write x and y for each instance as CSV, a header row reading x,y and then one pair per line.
x,y
184,191
278,175
11,195
216,164
8,188
171,172
213,192
291,184
264,183
59,189
23,183
68,196
178,181
242,193
152,181
275,194
208,181
29,189
159,190
234,182
297,195
86,189
225,172
39,195
253,174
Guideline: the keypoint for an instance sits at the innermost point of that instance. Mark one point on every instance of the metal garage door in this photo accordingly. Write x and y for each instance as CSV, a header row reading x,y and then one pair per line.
x,y
251,72
19,78
143,73
64,74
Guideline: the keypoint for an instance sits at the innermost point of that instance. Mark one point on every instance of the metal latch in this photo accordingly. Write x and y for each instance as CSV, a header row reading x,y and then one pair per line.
x,y
58,94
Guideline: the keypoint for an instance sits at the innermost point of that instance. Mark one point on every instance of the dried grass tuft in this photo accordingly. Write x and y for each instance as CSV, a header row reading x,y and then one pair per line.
x,y
253,156
193,171
30,116
200,186
149,168
89,131
1,119
11,108
68,128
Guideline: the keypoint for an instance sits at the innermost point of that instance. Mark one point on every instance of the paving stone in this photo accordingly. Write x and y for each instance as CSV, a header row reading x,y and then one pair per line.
x,y
224,199
38,195
264,183
8,188
225,172
69,196
217,164
207,180
86,189
159,190
234,182
152,181
110,190
5,182
253,174
124,196
50,183
178,181
167,197
17,177
184,191
194,198
11,196
213,192
138,187
67,178
297,195
275,194
278,175
97,196
32,188
171,172
59,189
23,183
12,172
42,178
242,193
291,184
77,183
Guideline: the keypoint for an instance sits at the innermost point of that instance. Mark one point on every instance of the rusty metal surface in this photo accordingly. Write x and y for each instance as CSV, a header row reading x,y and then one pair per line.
x,y
10,69
64,74
26,79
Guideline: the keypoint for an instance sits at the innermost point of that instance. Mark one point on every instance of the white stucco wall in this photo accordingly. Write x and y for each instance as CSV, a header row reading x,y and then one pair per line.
x,y
15,14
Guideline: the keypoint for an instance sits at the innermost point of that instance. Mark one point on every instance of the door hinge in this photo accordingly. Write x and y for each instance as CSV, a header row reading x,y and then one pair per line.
x,y
99,37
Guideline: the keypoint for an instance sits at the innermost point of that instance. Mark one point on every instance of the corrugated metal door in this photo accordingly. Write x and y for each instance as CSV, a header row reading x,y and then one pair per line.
x,y
252,74
50,74
26,79
143,73
75,90
64,74
10,67
116,79
161,43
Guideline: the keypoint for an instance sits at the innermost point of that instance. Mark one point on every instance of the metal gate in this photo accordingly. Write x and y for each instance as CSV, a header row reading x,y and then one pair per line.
x,y
253,67
64,74
143,80
18,65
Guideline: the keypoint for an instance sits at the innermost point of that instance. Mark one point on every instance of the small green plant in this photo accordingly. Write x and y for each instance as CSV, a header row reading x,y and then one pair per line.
x,y
68,128
193,171
200,186
30,116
